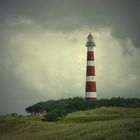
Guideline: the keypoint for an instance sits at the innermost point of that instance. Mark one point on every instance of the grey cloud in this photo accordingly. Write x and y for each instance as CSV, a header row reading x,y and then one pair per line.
x,y
15,96
41,64
121,15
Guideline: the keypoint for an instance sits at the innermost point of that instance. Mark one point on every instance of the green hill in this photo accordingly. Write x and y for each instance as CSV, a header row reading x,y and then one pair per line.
x,y
105,123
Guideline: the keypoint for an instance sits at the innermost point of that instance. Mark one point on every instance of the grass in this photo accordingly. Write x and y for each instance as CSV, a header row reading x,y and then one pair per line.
x,y
99,124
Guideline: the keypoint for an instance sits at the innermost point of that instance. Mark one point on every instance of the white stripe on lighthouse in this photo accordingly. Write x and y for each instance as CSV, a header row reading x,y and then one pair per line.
x,y
90,79
91,95
90,63
90,49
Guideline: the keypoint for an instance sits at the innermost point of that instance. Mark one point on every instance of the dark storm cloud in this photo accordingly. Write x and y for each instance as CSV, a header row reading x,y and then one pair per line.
x,y
120,15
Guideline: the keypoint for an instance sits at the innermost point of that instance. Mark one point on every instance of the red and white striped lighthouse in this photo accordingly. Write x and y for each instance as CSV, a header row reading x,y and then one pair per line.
x,y
90,89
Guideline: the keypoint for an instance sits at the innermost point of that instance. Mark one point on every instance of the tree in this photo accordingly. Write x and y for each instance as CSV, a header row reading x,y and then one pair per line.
x,y
55,115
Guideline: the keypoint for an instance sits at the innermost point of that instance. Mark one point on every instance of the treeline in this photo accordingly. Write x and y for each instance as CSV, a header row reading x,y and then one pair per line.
x,y
119,102
55,109
69,105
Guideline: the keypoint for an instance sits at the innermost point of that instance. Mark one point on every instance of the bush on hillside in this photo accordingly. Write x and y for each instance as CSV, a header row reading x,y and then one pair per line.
x,y
55,115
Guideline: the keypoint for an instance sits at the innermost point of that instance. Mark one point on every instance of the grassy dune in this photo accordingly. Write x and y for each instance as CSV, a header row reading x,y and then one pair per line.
x,y
99,124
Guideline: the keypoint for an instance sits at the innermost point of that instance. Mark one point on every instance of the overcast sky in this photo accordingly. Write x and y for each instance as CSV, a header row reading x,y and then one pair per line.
x,y
43,53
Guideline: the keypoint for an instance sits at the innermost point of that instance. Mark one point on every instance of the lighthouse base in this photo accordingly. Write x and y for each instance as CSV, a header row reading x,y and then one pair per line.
x,y
91,96
91,99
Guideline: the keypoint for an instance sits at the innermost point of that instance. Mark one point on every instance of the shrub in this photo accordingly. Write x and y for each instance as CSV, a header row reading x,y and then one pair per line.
x,y
55,115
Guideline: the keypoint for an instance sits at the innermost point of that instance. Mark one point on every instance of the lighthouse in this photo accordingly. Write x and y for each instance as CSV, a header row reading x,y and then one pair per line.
x,y
90,88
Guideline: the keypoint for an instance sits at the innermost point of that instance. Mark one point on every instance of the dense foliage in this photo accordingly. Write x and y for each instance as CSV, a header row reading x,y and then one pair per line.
x,y
55,114
56,109
119,102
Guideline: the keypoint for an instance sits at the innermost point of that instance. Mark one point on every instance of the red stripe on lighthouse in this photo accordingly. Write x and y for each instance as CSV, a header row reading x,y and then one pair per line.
x,y
90,86
90,71
90,55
